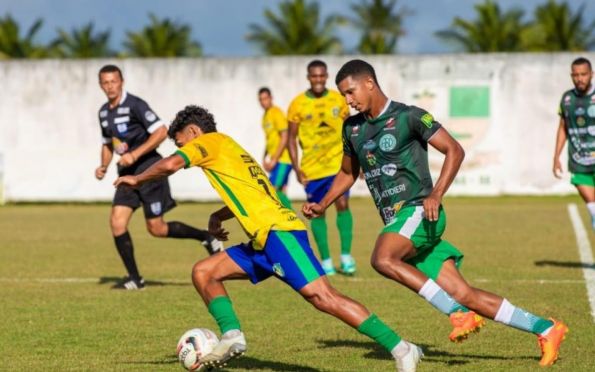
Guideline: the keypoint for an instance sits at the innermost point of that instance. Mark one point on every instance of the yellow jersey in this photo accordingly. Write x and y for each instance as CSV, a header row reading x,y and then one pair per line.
x,y
273,123
242,184
320,124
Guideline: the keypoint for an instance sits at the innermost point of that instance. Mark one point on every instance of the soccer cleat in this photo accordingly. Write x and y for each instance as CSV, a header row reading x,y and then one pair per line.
x,y
231,345
213,245
329,268
550,343
464,324
408,363
130,284
348,266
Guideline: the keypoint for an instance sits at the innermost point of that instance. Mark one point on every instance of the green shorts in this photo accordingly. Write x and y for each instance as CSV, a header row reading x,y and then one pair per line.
x,y
432,251
583,179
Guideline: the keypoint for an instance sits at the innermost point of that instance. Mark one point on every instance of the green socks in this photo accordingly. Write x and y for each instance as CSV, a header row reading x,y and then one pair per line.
x,y
284,199
375,328
320,236
221,309
345,226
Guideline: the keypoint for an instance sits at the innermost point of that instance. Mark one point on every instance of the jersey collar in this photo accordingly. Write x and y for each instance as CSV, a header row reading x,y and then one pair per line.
x,y
310,95
384,110
588,93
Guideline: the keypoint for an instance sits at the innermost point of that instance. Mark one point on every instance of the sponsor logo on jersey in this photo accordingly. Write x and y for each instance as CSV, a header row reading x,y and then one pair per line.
x,y
387,142
103,114
336,111
371,159
124,110
390,124
389,169
156,208
122,128
104,123
150,116
355,131
373,173
369,145
580,121
591,111
122,119
393,191
566,100
579,111
427,119
591,130
277,269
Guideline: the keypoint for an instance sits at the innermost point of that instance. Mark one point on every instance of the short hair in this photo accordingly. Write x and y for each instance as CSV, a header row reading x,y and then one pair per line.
x,y
192,114
110,68
355,67
582,61
264,90
316,63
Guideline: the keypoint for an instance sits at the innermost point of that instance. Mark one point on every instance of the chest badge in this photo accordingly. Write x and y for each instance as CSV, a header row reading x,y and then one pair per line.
x,y
387,142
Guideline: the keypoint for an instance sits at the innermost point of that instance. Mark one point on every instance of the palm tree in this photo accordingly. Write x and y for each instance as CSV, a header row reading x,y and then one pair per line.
x,y
162,38
82,43
556,28
380,27
12,45
492,31
296,30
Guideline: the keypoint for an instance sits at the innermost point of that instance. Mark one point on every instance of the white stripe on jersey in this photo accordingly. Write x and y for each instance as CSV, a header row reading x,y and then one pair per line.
x,y
156,126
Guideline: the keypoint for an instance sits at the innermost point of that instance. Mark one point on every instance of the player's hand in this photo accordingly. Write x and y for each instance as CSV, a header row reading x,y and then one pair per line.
x,y
100,172
301,176
216,229
431,207
312,210
126,180
557,168
127,159
268,164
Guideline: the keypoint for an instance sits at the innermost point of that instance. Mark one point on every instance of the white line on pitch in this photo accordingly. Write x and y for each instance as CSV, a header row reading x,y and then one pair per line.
x,y
585,253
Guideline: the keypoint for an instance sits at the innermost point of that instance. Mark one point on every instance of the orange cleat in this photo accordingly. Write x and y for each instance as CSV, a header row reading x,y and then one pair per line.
x,y
550,343
464,324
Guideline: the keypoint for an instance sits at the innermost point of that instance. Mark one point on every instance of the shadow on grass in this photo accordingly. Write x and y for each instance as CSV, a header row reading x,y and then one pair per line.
x,y
150,283
431,355
578,265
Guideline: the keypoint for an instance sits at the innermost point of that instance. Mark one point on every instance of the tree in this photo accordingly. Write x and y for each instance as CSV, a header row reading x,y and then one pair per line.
x,y
162,38
12,45
491,31
556,28
380,27
82,43
296,30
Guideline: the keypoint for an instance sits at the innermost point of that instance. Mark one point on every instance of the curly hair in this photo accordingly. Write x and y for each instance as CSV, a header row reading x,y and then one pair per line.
x,y
192,114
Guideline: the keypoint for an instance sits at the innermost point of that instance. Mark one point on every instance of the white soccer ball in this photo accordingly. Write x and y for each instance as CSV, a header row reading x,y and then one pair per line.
x,y
194,344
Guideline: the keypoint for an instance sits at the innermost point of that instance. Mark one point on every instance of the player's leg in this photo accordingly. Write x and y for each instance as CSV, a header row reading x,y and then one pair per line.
x,y
345,227
550,332
585,184
314,192
157,200
278,177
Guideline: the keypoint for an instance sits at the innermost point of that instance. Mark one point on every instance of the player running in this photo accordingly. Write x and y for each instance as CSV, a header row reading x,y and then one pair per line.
x,y
278,242
131,129
389,140
316,118
276,159
577,124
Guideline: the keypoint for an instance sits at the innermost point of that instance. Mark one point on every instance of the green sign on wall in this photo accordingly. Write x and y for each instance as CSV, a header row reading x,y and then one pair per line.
x,y
469,102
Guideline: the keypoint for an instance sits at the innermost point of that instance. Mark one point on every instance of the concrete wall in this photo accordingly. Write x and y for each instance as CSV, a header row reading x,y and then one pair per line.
x,y
50,138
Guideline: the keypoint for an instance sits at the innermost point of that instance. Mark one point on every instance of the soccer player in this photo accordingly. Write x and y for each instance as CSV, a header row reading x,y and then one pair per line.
x,y
276,159
278,244
316,118
577,124
389,140
131,129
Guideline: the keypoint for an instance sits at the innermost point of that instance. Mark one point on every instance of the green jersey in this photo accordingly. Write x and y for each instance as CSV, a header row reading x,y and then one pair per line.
x,y
392,150
578,112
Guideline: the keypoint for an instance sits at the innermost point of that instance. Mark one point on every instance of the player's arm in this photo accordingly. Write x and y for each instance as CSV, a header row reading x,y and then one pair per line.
x,y
454,155
343,181
154,140
560,142
107,153
283,137
293,151
215,227
163,168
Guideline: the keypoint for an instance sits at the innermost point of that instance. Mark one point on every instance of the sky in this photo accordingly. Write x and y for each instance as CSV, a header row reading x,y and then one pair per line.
x,y
221,25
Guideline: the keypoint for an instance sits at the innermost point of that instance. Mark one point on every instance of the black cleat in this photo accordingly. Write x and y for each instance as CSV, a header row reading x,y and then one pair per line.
x,y
213,245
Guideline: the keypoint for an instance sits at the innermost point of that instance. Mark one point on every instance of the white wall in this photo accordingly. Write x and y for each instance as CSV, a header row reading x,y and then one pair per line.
x,y
50,139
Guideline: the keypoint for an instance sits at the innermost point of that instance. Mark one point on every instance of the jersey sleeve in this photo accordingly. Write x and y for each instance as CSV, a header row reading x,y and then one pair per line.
x,y
348,149
196,153
293,113
422,123
561,107
106,137
146,116
279,120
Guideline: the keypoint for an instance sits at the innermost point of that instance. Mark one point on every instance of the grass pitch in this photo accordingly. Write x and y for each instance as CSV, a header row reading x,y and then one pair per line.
x,y
58,313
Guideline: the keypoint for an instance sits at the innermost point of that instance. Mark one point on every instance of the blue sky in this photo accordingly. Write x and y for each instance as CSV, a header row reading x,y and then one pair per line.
x,y
221,25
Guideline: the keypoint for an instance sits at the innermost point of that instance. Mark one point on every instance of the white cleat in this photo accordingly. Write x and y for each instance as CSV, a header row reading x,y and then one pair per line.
x,y
213,245
231,346
408,363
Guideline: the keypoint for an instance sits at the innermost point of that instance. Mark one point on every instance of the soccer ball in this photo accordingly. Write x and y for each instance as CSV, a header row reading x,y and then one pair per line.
x,y
194,344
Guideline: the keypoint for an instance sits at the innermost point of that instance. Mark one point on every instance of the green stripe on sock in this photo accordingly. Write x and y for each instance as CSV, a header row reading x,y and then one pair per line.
x,y
299,256
345,226
220,308
320,236
375,328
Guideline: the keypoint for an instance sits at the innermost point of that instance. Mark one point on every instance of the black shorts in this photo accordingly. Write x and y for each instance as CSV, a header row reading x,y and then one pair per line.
x,y
155,196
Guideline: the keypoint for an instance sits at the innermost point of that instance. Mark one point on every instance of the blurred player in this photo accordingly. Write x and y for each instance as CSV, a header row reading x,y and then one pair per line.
x,y
316,118
278,244
276,159
390,142
131,129
577,124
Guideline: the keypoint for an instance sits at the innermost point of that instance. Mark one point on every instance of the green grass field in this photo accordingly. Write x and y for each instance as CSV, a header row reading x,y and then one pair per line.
x,y
58,313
